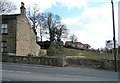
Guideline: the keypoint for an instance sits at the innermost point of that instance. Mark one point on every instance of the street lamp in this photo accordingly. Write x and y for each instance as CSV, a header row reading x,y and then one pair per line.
x,y
114,40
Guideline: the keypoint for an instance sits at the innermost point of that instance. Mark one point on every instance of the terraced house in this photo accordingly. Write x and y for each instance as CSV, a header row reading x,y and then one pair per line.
x,y
17,36
77,45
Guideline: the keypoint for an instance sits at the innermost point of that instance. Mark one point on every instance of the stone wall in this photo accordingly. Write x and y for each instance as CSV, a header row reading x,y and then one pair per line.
x,y
97,64
11,36
103,64
0,57
26,38
50,61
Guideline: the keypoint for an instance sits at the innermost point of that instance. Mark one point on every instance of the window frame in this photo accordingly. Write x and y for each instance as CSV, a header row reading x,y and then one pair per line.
x,y
4,28
3,46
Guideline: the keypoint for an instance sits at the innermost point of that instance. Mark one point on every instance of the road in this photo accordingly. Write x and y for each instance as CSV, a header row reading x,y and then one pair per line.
x,y
25,72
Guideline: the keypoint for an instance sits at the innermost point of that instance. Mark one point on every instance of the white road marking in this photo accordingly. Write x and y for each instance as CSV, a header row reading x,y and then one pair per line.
x,y
21,65
75,76
8,71
84,77
70,75
22,72
5,80
26,65
16,71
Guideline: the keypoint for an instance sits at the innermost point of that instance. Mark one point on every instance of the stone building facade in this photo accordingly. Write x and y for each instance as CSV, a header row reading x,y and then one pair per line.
x,y
77,45
18,37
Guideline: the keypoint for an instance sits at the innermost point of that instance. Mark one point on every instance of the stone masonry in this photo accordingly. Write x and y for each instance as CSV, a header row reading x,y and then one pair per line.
x,y
25,37
21,38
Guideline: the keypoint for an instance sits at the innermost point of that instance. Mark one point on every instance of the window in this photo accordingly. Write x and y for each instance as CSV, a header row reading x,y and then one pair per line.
x,y
4,28
4,46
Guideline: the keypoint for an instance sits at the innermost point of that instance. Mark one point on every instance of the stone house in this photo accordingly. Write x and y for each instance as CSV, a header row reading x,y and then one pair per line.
x,y
17,36
69,44
86,46
77,45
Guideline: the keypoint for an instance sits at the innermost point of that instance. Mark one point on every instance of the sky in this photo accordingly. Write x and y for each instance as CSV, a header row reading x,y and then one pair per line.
x,y
89,20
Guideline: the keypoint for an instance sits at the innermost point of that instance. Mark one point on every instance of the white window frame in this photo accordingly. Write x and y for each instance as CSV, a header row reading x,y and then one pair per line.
x,y
4,28
3,46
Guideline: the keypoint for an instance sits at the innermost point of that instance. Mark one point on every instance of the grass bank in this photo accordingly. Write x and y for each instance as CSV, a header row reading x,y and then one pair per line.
x,y
88,54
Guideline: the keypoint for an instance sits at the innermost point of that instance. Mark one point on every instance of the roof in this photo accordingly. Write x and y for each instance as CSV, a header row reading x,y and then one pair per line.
x,y
87,45
13,16
68,41
71,42
10,16
78,42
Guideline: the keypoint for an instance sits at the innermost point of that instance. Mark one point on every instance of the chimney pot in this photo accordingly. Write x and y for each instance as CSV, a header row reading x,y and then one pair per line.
x,y
22,9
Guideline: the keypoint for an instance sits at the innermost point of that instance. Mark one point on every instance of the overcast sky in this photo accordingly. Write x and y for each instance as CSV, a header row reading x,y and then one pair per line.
x,y
89,20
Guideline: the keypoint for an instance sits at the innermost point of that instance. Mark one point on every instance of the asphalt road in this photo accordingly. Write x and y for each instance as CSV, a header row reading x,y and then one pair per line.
x,y
25,72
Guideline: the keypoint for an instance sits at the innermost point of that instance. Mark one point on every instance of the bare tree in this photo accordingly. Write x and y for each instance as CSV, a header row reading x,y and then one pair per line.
x,y
47,23
37,19
56,29
73,38
6,6
33,14
42,29
61,32
51,23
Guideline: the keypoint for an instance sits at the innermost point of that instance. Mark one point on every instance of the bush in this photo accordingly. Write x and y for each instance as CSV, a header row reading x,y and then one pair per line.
x,y
42,53
55,49
30,55
70,61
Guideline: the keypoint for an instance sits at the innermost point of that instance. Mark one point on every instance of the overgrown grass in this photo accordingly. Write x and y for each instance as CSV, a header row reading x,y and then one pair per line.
x,y
88,54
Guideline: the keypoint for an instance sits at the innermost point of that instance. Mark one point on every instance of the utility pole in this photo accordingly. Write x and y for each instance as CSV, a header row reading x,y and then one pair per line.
x,y
114,40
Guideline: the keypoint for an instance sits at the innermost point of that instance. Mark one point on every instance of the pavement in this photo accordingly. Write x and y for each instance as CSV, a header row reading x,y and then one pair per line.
x,y
26,72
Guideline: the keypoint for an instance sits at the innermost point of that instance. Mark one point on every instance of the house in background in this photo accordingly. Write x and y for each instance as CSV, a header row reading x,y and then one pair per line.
x,y
17,36
77,45
86,46
68,43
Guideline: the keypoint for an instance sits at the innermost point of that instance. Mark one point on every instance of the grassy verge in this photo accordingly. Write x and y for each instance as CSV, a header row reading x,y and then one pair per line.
x,y
88,54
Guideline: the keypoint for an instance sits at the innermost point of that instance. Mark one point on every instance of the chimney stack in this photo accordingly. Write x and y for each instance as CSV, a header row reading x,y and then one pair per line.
x,y
22,9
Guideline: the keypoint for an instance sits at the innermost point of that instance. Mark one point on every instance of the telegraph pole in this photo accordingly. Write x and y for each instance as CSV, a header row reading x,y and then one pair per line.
x,y
114,40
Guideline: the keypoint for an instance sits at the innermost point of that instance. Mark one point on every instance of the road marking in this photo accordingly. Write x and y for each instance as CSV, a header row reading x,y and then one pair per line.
x,y
8,70
68,75
26,65
16,71
5,80
13,64
87,77
22,72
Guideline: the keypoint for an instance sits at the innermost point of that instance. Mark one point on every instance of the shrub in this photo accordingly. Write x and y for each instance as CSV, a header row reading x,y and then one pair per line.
x,y
42,53
55,49
30,55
